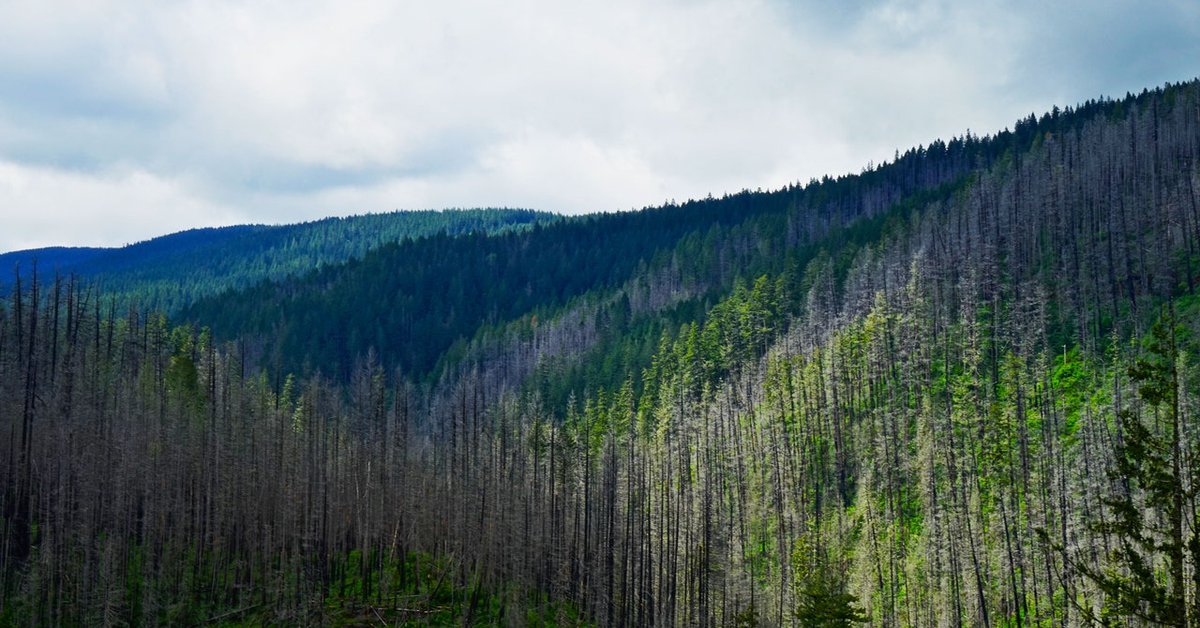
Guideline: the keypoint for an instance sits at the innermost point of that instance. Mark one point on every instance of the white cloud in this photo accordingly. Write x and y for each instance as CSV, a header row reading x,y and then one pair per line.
x,y
154,115
122,207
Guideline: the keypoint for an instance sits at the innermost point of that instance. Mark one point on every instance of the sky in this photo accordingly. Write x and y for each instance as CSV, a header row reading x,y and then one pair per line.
x,y
120,121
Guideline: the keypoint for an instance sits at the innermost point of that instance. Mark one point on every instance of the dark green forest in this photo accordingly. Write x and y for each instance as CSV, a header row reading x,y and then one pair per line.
x,y
171,272
958,389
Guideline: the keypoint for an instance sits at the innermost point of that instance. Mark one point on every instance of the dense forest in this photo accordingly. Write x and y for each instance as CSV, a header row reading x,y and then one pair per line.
x,y
960,388
170,272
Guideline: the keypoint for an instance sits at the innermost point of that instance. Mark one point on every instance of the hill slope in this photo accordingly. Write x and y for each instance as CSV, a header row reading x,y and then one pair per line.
x,y
412,301
173,271
418,304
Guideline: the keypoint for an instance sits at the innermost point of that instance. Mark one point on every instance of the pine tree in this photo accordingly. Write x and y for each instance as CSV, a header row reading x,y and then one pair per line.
x,y
1144,577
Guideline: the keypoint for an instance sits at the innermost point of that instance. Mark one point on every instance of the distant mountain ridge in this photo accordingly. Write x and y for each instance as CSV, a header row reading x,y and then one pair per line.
x,y
172,271
89,260
55,256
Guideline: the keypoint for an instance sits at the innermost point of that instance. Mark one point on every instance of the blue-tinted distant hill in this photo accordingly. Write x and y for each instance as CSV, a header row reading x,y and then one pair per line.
x,y
172,271
49,257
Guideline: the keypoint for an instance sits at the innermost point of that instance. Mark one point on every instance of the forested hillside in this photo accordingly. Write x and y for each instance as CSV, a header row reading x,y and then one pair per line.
x,y
173,271
961,388
410,302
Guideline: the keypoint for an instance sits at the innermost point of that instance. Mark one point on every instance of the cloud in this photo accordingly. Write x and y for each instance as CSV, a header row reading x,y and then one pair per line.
x,y
134,116
122,206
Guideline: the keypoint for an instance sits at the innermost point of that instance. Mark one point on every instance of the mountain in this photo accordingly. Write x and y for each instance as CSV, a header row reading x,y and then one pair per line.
x,y
419,305
411,302
960,388
173,271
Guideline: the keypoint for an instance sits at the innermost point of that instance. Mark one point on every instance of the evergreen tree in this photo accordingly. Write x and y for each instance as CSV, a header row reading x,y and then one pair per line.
x,y
1144,577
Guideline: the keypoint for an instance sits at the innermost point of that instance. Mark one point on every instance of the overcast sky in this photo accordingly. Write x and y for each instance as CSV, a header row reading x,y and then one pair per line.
x,y
124,120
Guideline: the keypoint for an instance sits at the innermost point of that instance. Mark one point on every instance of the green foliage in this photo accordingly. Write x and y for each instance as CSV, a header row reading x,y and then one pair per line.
x,y
822,606
1144,576
1072,379
822,599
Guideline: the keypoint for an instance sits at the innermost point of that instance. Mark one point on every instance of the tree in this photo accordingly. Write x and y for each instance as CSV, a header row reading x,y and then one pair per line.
x,y
1144,577
824,606
822,600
